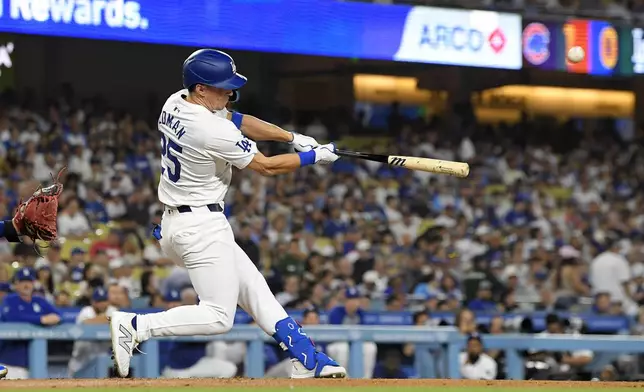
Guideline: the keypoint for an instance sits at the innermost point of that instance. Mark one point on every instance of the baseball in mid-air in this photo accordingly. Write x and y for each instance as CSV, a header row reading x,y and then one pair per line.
x,y
576,54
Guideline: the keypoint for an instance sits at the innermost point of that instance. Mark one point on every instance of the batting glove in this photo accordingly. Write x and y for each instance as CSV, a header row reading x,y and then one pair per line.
x,y
303,143
325,154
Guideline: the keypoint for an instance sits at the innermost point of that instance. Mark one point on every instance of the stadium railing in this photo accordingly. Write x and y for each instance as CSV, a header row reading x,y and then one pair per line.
x,y
445,338
596,324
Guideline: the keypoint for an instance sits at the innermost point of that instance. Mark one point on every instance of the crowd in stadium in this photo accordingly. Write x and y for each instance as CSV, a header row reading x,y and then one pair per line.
x,y
627,10
549,216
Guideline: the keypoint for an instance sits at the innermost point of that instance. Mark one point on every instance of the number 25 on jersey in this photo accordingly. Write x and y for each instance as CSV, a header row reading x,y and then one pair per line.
x,y
168,149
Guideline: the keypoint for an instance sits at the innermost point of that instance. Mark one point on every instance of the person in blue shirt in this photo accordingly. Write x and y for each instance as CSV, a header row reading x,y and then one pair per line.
x,y
334,225
483,301
5,288
190,359
139,162
94,207
8,231
391,366
23,306
350,313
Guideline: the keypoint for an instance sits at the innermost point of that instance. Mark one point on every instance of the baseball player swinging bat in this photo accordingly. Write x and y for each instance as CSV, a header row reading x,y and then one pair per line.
x,y
201,142
457,169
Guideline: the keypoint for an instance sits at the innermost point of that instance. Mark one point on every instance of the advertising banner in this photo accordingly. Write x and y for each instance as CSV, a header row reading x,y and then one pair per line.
x,y
607,47
7,66
312,27
460,37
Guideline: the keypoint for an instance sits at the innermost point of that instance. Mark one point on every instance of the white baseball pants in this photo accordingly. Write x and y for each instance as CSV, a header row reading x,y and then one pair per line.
x,y
221,273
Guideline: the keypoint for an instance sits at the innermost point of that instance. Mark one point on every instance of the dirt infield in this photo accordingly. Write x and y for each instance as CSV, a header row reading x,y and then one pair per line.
x,y
280,383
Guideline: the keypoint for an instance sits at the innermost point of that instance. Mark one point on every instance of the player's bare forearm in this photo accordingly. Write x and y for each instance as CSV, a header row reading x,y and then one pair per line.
x,y
275,165
260,130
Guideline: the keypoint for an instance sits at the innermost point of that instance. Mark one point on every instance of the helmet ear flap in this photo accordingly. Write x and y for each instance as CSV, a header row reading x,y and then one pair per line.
x,y
234,97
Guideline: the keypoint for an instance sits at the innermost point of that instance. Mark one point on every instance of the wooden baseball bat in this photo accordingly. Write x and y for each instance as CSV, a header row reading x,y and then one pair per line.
x,y
457,169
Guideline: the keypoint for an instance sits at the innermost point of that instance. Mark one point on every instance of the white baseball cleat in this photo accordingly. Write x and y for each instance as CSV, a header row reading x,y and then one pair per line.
x,y
123,341
330,370
3,371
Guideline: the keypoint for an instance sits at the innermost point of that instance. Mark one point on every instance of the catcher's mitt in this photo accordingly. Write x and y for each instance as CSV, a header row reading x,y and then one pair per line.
x,y
36,218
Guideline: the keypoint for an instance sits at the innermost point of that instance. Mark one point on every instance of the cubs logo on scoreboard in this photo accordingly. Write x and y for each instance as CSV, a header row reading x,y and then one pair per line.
x,y
536,41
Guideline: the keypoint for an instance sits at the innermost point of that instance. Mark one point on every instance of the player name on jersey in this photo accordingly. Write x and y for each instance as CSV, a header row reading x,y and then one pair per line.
x,y
171,122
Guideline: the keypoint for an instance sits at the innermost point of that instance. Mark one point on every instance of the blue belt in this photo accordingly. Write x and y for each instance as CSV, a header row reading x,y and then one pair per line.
x,y
214,207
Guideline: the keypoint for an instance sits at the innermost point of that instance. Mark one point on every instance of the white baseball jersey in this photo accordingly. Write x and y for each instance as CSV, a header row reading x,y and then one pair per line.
x,y
197,150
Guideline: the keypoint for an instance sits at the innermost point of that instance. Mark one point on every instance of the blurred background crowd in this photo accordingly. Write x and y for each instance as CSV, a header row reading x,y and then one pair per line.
x,y
628,10
549,222
541,210
548,214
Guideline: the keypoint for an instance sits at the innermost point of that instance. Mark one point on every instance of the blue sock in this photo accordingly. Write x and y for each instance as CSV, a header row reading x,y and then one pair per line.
x,y
134,323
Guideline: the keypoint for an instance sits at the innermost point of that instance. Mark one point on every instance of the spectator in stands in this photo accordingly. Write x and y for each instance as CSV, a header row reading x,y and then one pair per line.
x,y
111,245
245,241
76,265
449,288
572,365
483,300
408,350
95,207
291,290
508,302
45,283
23,307
72,222
610,272
351,314
5,288
118,296
465,321
395,303
602,303
568,283
390,366
85,352
54,261
62,299
121,270
497,327
475,364
189,359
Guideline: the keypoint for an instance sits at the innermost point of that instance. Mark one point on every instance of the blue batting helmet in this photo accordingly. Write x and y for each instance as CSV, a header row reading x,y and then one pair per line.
x,y
212,68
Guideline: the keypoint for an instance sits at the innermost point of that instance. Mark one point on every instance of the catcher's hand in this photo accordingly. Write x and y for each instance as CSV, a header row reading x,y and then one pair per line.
x,y
36,218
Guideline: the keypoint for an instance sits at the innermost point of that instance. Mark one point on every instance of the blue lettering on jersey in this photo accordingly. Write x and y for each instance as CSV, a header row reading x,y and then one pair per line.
x,y
244,144
168,120
168,150
452,37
